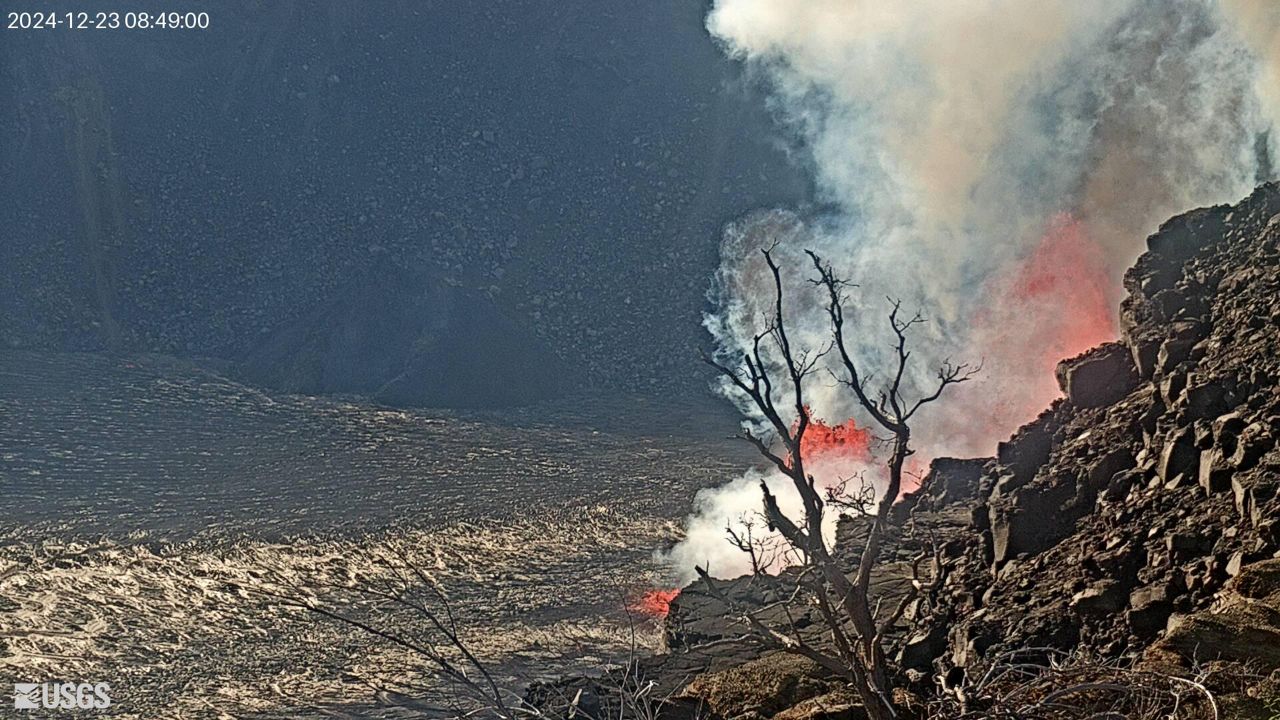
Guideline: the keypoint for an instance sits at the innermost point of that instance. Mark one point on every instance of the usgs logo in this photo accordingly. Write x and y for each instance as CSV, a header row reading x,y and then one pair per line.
x,y
61,696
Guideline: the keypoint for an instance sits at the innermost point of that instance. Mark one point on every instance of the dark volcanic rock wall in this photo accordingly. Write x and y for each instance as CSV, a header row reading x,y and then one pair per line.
x,y
1129,505
193,192
409,341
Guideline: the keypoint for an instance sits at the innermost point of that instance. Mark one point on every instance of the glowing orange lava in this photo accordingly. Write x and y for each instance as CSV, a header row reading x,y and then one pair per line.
x,y
655,603
845,440
1052,304
1067,276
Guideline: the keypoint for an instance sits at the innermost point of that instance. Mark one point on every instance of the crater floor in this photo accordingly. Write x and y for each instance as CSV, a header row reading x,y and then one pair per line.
x,y
150,506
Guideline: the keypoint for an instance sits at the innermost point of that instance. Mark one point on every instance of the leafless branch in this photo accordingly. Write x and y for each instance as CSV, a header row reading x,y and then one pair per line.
x,y
845,604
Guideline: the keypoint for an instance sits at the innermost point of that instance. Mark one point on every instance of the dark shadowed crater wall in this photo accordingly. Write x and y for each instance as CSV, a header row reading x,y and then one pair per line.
x,y
543,180
408,340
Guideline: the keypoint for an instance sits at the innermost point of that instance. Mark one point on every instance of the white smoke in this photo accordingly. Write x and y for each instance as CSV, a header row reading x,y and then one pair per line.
x,y
995,164
1258,23
737,505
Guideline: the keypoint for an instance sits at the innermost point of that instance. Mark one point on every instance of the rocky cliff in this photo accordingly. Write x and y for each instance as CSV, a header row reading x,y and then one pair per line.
x,y
407,340
1136,517
1116,522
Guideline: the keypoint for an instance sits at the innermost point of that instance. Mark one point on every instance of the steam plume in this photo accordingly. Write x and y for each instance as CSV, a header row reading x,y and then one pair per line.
x,y
996,164
1258,22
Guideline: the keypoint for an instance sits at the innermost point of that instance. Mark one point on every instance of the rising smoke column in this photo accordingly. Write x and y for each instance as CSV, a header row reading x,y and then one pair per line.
x,y
995,164
1258,22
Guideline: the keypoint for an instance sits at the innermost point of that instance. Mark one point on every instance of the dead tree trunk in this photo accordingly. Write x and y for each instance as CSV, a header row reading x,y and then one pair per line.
x,y
844,602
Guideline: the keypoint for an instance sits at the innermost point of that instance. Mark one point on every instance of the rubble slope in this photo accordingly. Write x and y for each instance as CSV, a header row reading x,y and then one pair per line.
x,y
1127,507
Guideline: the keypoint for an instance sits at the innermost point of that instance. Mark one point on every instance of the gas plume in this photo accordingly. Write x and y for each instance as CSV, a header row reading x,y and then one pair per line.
x,y
994,164
1258,22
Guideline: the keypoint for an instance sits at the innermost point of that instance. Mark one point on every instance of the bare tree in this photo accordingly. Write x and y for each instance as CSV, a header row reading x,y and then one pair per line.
x,y
855,621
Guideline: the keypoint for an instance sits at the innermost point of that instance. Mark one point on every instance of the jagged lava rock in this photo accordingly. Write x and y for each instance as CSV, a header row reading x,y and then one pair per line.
x,y
1099,377
1155,481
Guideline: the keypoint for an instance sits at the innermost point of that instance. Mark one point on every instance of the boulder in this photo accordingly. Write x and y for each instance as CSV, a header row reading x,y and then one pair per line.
x,y
1031,519
1254,442
1244,627
1104,597
1173,352
1182,236
1226,431
1145,353
1171,388
953,480
1251,494
921,647
1215,475
767,686
1179,456
1029,448
1186,544
1108,466
1098,378
1121,483
1149,610
1206,399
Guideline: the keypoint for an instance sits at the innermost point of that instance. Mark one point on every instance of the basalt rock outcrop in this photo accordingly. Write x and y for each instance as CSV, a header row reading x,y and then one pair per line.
x,y
1128,516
